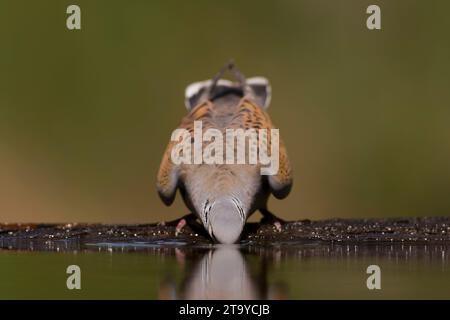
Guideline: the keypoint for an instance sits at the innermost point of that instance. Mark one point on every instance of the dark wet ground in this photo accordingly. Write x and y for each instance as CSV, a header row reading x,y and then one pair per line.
x,y
407,230
306,260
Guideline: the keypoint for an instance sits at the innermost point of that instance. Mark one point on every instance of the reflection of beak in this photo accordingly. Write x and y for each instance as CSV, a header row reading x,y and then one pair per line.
x,y
221,274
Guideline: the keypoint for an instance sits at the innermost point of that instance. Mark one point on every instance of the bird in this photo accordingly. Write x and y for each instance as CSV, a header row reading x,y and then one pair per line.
x,y
222,196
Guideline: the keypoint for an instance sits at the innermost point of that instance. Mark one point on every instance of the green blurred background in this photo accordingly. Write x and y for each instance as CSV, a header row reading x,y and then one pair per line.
x,y
85,115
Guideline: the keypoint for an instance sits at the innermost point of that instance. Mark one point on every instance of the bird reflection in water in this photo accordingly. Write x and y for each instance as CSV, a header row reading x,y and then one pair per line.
x,y
221,273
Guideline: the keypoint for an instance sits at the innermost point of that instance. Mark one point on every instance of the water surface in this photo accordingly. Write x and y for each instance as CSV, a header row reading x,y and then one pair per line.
x,y
175,270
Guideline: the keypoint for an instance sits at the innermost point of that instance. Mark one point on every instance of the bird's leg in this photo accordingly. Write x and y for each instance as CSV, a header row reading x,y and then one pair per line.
x,y
270,218
189,219
180,226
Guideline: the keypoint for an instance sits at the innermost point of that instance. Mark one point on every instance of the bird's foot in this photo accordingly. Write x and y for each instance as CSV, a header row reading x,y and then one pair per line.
x,y
270,218
180,224
277,225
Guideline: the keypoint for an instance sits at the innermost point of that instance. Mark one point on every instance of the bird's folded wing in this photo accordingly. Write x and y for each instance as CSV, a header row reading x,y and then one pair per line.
x,y
281,183
167,179
254,116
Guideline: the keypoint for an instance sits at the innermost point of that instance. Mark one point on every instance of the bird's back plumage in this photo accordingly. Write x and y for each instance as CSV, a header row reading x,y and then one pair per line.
x,y
224,105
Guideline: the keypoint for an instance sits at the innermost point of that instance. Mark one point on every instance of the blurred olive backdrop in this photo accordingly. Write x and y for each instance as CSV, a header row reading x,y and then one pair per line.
x,y
85,115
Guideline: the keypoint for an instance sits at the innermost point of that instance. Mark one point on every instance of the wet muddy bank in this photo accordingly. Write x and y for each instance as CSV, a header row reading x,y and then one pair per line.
x,y
428,231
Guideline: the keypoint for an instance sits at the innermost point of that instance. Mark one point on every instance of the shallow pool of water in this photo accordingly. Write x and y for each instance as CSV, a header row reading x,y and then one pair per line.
x,y
175,270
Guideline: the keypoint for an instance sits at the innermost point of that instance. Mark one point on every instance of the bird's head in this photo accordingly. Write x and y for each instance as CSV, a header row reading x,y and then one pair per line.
x,y
224,220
